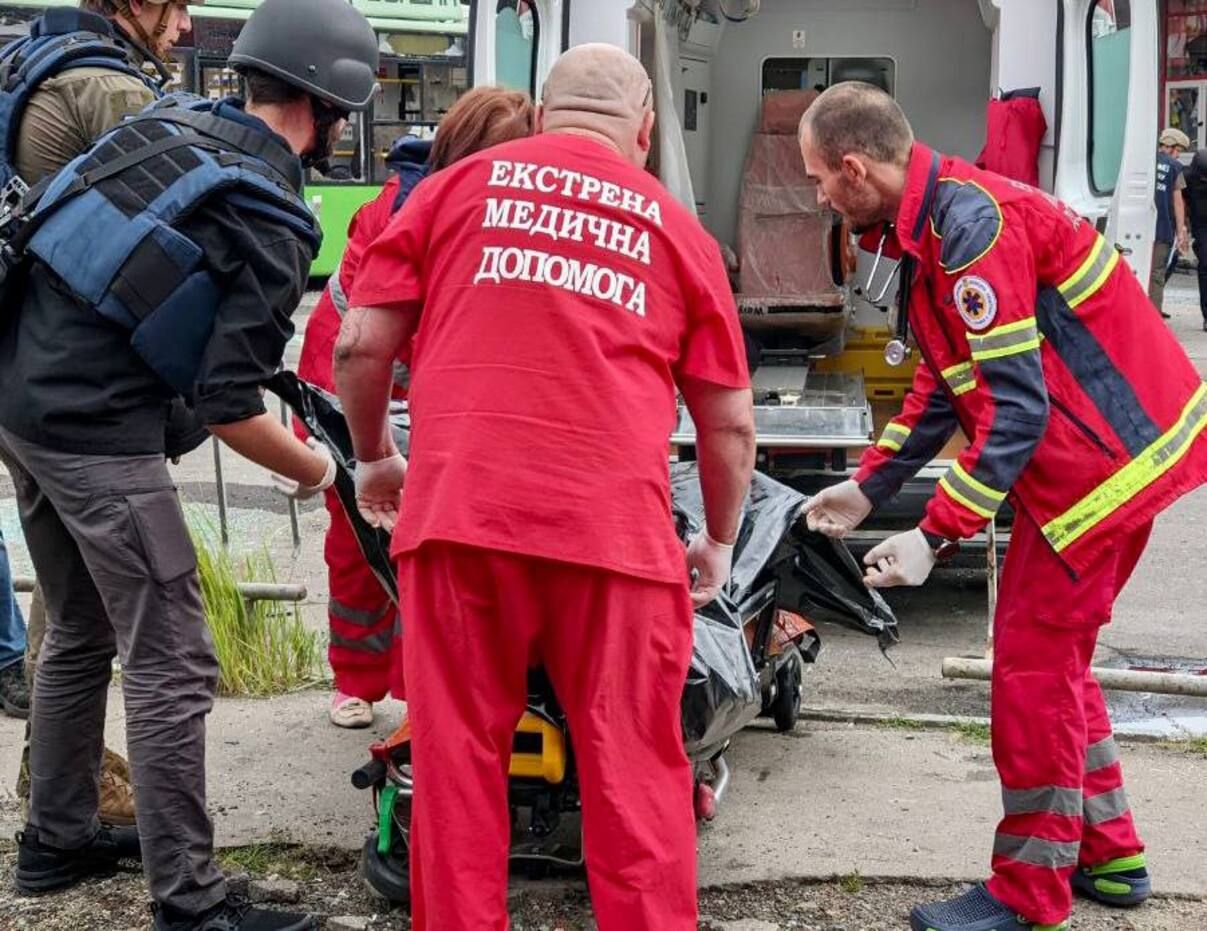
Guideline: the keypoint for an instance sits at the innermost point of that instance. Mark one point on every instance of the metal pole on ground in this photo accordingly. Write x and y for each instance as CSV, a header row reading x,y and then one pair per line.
x,y
250,591
220,484
1123,680
991,568
291,503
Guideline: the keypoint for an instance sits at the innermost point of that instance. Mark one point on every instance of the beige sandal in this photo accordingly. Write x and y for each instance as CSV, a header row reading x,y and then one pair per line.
x,y
350,712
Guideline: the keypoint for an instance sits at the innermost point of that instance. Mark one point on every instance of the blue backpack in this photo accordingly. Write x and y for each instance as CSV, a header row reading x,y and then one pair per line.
x,y
59,40
106,224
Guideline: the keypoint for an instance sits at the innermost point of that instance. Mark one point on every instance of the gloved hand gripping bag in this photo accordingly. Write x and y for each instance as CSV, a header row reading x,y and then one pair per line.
x,y
777,563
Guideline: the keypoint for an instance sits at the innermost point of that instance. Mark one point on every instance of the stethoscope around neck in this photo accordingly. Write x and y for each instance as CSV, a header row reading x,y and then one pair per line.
x,y
897,350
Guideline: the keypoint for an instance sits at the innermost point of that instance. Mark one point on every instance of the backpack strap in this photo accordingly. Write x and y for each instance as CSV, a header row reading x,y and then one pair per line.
x,y
60,21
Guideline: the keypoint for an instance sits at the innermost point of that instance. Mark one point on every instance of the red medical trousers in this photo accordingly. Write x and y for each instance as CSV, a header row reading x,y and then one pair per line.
x,y
1062,785
617,650
365,638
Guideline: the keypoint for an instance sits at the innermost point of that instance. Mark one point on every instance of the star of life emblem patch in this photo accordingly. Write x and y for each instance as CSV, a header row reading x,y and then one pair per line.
x,y
975,301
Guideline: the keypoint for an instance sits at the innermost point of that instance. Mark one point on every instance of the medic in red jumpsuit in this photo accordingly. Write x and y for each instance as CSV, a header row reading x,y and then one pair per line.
x,y
363,622
364,625
1081,408
559,294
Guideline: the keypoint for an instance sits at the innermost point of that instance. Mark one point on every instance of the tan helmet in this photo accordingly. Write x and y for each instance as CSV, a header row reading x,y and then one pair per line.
x,y
123,7
1171,136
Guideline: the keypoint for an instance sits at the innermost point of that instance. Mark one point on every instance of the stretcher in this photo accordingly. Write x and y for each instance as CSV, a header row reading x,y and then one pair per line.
x,y
751,648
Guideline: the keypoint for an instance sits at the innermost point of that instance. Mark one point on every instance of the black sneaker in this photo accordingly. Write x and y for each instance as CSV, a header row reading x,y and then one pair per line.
x,y
42,868
235,914
14,692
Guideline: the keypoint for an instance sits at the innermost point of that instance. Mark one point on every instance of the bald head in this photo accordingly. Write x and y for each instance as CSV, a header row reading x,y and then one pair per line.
x,y
600,91
853,118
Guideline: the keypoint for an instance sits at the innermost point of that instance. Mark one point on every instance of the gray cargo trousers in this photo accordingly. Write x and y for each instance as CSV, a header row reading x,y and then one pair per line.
x,y
110,545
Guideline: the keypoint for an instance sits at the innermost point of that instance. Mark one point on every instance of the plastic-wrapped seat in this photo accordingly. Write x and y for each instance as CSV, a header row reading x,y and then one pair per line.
x,y
784,238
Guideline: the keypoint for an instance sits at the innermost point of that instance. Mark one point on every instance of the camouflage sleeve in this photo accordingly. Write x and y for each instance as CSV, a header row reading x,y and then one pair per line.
x,y
104,101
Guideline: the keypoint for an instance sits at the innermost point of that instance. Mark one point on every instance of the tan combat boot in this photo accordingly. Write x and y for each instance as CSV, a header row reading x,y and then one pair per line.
x,y
117,791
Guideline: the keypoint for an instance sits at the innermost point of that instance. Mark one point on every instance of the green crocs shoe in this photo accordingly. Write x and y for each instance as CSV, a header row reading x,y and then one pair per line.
x,y
1122,883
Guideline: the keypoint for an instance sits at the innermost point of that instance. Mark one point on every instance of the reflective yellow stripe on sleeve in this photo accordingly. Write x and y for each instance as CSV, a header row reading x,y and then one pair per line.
x,y
894,437
966,490
1091,274
960,378
1007,340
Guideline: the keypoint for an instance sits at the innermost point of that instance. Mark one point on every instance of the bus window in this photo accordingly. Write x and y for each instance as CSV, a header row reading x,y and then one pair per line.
x,y
1109,30
517,36
345,162
781,74
421,77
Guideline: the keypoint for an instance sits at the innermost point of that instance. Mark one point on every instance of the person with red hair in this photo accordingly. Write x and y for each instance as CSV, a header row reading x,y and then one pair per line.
x,y
364,624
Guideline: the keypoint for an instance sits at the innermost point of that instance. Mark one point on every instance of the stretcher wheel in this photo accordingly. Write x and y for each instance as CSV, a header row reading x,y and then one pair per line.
x,y
705,802
786,706
389,874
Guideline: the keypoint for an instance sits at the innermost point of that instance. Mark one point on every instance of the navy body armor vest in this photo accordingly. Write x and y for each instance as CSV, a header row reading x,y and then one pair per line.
x,y
107,224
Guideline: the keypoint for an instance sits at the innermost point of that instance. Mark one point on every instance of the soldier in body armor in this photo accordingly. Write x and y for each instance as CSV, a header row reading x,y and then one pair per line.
x,y
80,72
165,264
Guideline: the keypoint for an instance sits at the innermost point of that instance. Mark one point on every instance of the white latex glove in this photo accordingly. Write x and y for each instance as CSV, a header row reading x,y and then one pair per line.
x,y
379,490
902,559
708,565
837,510
296,490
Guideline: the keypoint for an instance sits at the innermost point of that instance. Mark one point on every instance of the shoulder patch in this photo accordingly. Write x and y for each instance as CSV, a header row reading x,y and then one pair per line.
x,y
968,220
976,302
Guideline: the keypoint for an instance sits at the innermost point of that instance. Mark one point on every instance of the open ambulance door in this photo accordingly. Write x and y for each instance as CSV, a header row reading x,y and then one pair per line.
x,y
1105,160
515,42
1096,63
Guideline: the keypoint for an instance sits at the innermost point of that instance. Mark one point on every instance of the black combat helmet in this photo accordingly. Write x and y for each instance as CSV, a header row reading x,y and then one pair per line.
x,y
325,47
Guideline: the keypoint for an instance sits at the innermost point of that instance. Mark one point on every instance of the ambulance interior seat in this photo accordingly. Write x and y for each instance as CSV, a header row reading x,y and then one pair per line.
x,y
787,295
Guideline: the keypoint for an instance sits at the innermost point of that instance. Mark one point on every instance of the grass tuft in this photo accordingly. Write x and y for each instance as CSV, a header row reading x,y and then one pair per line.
x,y
286,861
900,724
1196,746
262,646
972,731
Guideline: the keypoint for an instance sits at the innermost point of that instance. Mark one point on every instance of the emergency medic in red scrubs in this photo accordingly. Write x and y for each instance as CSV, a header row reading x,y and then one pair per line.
x,y
364,625
559,295
1038,341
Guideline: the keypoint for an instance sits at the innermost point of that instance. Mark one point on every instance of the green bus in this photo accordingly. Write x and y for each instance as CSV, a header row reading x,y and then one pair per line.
x,y
425,66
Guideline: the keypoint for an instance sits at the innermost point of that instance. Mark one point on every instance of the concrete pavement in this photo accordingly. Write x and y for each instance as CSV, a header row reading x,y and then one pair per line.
x,y
830,800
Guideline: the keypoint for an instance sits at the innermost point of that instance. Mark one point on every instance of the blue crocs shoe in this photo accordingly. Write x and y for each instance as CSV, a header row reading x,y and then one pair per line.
x,y
975,910
1121,883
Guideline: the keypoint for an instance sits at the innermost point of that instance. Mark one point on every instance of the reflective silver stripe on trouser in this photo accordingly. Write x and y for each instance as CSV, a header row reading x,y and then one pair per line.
x,y
1106,807
1053,799
357,616
1036,851
376,643
1101,755
336,288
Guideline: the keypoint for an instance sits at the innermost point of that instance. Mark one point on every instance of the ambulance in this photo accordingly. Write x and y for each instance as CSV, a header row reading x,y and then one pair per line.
x,y
824,388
